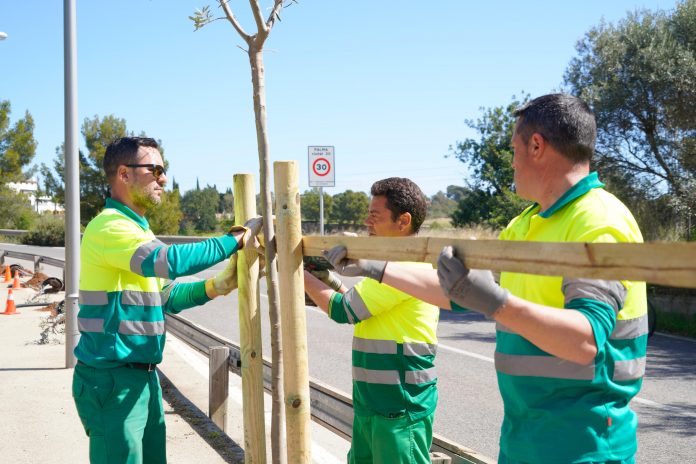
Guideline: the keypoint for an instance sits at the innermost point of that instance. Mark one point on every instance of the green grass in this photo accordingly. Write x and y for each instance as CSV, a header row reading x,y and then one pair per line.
x,y
678,324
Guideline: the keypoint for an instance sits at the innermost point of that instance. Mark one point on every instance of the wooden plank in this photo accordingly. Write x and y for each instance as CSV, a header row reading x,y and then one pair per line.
x,y
670,264
293,318
250,328
218,386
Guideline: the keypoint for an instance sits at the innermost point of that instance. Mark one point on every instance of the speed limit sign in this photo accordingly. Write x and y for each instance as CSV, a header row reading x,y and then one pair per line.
x,y
322,170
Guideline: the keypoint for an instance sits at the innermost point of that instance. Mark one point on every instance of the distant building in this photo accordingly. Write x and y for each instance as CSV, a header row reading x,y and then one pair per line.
x,y
42,204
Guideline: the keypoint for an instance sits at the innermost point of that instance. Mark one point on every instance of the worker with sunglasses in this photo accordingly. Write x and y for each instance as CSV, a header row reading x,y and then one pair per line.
x,y
126,287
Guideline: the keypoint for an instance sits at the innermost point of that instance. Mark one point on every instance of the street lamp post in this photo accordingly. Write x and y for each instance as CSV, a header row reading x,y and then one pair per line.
x,y
72,181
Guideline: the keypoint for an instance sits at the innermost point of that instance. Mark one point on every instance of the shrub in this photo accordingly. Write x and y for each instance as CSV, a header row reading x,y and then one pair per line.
x,y
48,230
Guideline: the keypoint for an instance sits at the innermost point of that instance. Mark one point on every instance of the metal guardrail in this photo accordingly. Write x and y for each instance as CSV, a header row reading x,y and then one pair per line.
x,y
38,260
12,232
330,407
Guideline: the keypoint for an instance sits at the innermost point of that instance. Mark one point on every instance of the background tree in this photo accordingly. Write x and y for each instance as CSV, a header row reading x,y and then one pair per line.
x,y
165,218
441,206
17,150
489,197
310,205
199,207
17,145
350,207
639,76
227,202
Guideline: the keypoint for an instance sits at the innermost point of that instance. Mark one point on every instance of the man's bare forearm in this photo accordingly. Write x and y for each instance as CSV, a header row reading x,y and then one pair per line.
x,y
420,283
564,333
318,291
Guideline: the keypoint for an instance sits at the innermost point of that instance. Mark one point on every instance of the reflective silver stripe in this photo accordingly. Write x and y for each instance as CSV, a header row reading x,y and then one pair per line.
x,y
631,369
374,346
166,291
141,328
423,376
419,349
352,297
142,252
630,328
611,292
542,366
373,376
162,263
93,297
132,297
349,315
503,328
85,324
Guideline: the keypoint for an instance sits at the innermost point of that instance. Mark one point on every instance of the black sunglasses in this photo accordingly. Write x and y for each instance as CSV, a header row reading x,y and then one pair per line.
x,y
155,169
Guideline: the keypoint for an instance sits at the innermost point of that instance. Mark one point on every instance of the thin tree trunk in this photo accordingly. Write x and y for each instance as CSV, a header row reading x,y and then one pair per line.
x,y
278,410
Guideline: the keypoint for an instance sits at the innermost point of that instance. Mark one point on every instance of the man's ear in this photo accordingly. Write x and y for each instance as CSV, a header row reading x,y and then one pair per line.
x,y
405,221
537,145
122,174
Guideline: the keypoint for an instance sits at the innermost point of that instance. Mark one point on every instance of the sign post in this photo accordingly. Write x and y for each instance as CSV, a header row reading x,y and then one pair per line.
x,y
322,173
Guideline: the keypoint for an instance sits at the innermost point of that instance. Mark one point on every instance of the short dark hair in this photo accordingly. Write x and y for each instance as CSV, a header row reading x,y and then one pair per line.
x,y
124,151
403,196
565,121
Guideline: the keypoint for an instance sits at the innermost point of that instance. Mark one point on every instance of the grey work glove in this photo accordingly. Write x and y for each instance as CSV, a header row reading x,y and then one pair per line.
x,y
473,289
354,267
329,278
251,229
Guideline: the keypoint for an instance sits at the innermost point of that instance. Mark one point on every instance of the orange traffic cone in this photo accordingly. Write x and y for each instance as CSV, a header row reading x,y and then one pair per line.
x,y
8,273
15,284
10,307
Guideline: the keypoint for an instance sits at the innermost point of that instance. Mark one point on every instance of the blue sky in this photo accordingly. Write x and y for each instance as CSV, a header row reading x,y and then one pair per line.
x,y
389,84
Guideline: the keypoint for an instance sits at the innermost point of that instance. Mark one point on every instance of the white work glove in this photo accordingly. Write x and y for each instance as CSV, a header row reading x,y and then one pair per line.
x,y
226,280
250,230
354,267
473,289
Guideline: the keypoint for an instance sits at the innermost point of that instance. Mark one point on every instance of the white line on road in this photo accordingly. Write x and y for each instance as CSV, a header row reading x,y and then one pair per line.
x,y
464,352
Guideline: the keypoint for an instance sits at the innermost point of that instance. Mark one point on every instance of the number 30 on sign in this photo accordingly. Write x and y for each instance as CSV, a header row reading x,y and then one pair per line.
x,y
322,170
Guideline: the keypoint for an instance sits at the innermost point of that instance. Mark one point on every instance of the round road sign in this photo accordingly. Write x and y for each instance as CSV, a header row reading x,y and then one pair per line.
x,y
321,167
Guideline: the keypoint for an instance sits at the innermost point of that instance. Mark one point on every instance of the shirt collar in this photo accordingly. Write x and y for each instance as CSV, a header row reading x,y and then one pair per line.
x,y
587,183
117,205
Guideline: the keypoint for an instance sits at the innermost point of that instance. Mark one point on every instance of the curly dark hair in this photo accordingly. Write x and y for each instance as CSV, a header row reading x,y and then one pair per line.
x,y
403,196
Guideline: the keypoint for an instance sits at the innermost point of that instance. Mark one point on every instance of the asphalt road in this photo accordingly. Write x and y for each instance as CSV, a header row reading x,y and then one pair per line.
x,y
470,409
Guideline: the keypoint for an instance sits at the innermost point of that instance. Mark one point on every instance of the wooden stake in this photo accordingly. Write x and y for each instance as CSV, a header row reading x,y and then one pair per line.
x,y
250,328
671,264
218,385
296,379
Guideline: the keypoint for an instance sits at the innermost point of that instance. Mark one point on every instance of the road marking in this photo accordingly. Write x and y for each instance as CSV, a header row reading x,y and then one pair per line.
x,y
200,365
464,352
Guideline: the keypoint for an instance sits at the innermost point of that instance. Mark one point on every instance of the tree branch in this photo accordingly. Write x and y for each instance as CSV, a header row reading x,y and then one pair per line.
x,y
258,17
274,14
231,18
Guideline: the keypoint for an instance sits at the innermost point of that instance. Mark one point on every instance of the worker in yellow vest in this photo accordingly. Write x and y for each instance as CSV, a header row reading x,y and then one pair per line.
x,y
126,287
570,352
394,341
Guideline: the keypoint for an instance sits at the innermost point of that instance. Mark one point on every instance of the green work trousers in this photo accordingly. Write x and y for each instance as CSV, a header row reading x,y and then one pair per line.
x,y
121,411
503,459
384,440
